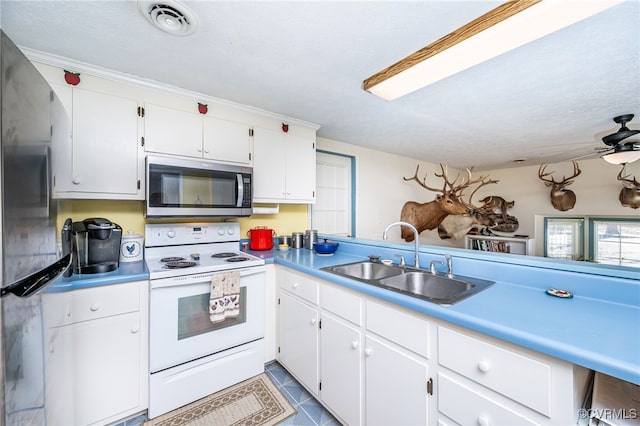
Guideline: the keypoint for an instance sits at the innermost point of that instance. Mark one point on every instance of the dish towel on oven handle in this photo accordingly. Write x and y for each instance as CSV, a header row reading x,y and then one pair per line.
x,y
224,299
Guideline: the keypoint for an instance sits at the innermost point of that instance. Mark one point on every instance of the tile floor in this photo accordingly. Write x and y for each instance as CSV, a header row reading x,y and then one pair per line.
x,y
309,411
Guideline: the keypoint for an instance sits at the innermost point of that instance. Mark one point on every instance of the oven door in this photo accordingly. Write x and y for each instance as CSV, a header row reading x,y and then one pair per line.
x,y
180,329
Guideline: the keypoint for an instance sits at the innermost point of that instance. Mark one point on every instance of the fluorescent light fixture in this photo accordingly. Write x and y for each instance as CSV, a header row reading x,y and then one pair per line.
x,y
622,157
509,26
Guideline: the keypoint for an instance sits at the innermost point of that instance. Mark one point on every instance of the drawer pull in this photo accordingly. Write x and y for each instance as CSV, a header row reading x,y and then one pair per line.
x,y
484,421
484,366
94,307
368,351
354,345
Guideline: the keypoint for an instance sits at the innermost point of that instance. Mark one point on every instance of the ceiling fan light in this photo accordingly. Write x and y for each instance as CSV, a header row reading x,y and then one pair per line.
x,y
622,157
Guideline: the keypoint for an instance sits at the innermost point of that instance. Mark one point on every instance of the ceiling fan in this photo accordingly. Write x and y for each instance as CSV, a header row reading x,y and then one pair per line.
x,y
617,151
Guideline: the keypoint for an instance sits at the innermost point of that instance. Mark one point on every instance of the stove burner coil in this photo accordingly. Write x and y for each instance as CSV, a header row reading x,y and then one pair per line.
x,y
172,259
237,259
180,264
223,255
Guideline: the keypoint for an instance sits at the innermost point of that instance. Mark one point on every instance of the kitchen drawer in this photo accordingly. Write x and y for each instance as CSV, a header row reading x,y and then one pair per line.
x,y
342,303
299,285
521,378
100,302
399,327
467,407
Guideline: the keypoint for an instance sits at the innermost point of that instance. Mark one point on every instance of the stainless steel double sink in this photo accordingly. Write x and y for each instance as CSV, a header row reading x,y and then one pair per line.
x,y
436,288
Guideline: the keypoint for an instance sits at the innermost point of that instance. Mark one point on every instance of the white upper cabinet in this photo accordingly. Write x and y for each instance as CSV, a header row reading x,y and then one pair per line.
x,y
171,131
284,165
191,134
101,156
226,141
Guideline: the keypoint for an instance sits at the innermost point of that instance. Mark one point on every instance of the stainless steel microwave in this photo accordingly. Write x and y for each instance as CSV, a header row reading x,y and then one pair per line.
x,y
197,188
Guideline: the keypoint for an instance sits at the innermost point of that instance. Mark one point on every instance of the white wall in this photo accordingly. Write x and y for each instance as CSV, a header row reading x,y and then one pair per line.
x,y
381,191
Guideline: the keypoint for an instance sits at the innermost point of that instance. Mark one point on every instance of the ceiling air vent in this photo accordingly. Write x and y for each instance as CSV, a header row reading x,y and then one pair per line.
x,y
168,16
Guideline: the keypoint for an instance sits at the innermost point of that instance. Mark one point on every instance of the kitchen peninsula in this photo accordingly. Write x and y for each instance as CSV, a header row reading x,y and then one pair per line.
x,y
513,315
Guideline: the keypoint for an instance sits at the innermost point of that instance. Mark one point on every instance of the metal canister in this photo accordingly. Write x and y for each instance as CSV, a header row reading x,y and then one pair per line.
x,y
310,237
297,240
284,239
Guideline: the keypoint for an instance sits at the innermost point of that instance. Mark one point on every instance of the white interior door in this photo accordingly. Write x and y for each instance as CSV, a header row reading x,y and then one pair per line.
x,y
332,212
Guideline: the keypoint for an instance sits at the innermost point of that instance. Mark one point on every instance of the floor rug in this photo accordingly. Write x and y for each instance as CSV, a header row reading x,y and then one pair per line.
x,y
255,402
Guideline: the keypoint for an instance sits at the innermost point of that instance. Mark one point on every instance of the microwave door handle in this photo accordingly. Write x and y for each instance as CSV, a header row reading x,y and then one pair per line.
x,y
240,190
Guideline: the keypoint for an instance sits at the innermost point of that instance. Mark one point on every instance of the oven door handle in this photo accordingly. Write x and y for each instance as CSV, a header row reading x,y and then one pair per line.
x,y
240,184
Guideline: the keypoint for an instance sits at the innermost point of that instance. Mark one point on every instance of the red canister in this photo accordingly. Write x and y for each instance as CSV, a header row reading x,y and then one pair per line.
x,y
261,238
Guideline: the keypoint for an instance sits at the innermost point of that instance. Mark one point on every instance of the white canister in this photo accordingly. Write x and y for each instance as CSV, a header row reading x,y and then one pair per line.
x,y
131,247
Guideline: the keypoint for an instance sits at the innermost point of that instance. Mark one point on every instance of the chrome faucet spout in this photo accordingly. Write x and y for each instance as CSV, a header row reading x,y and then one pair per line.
x,y
415,239
447,257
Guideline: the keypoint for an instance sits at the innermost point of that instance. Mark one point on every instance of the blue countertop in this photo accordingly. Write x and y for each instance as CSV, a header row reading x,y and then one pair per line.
x,y
126,272
599,328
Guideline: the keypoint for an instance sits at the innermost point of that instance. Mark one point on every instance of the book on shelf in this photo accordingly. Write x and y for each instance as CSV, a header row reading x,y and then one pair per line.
x,y
488,245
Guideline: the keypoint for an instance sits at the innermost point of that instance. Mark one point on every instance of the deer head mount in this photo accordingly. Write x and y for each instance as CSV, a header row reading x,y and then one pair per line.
x,y
561,198
630,193
448,202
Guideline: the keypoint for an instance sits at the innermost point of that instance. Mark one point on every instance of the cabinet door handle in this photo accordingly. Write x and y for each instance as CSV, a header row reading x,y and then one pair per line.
x,y
134,329
484,366
295,285
94,307
354,345
206,151
313,321
76,181
484,421
199,150
368,351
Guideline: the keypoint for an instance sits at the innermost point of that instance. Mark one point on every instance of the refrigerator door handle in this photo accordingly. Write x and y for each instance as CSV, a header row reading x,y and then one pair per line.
x,y
38,280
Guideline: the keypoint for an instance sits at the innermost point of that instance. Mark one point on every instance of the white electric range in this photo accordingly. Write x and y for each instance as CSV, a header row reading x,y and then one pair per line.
x,y
190,355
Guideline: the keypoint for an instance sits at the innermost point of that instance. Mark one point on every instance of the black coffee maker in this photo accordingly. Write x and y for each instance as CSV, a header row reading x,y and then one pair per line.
x,y
96,245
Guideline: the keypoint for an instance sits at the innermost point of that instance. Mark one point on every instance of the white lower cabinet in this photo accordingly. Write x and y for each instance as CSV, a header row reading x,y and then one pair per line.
x,y
96,366
502,384
298,331
341,368
299,340
371,362
396,385
341,361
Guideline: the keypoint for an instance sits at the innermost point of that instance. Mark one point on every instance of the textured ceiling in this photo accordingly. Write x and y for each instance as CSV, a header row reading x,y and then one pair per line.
x,y
548,101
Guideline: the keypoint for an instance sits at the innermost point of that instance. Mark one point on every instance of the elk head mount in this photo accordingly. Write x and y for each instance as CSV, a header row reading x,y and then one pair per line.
x,y
561,198
448,202
630,193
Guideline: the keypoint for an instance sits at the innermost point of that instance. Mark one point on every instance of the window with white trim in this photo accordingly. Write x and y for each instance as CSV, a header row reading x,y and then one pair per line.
x,y
606,240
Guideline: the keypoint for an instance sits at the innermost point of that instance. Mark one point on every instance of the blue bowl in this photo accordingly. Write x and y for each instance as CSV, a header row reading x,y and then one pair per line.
x,y
327,247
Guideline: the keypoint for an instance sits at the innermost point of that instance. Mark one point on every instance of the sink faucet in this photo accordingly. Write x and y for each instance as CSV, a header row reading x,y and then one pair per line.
x,y
447,258
432,266
415,239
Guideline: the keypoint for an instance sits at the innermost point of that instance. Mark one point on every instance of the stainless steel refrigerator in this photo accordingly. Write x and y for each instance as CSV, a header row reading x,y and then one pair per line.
x,y
31,114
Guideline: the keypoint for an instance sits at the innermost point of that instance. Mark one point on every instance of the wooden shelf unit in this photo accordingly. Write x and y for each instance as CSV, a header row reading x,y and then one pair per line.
x,y
515,245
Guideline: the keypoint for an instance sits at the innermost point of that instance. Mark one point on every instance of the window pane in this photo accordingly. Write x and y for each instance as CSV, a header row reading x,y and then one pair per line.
x,y
564,238
616,242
